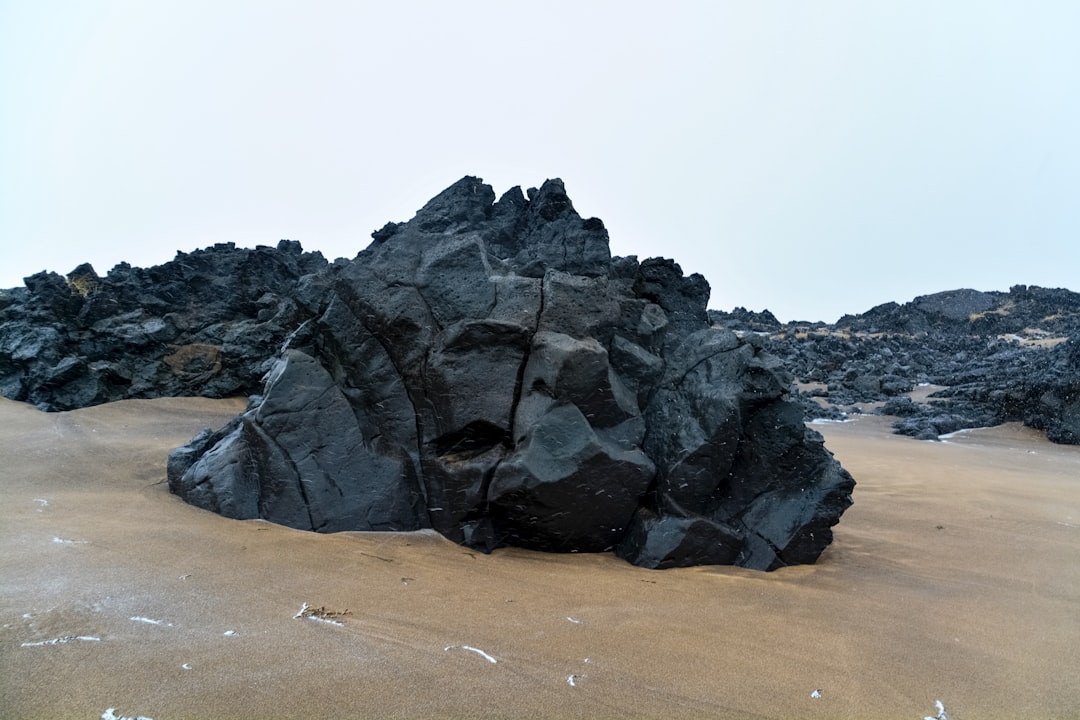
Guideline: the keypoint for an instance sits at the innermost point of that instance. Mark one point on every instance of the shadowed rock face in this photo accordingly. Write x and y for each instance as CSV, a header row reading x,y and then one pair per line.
x,y
490,371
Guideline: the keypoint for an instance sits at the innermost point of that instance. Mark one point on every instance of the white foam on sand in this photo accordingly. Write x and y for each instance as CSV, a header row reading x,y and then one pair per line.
x,y
949,436
150,621
478,651
110,714
62,640
940,712
62,541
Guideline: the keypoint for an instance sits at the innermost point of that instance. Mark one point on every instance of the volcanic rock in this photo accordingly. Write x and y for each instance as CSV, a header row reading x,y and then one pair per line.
x,y
998,357
206,323
488,370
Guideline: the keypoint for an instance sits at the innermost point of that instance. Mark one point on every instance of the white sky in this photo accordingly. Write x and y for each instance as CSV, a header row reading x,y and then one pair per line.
x,y
812,158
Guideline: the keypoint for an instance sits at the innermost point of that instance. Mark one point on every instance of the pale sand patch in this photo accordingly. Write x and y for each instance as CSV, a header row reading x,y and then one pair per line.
x,y
196,616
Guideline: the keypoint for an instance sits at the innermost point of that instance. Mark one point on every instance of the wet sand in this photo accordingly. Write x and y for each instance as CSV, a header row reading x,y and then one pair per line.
x,y
954,577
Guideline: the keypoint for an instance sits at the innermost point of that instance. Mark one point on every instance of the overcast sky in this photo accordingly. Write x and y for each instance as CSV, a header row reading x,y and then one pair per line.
x,y
812,158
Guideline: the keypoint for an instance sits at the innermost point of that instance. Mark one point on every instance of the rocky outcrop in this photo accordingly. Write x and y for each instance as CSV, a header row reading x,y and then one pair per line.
x,y
490,371
208,323
1054,311
742,320
998,357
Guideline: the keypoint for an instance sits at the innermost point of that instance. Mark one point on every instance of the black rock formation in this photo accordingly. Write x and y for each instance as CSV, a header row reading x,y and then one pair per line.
x,y
488,370
999,357
742,320
973,313
208,323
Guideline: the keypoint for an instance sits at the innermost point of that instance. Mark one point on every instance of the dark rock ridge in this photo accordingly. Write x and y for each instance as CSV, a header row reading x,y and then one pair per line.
x,y
208,323
488,370
998,356
1053,311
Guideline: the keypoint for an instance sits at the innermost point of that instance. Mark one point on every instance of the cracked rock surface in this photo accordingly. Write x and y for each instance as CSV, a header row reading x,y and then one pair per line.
x,y
488,370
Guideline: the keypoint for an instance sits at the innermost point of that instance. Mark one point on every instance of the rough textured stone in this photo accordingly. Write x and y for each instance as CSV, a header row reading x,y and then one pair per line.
x,y
488,370
206,323
1000,357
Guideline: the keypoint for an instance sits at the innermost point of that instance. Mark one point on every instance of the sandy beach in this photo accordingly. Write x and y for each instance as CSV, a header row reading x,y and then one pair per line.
x,y
953,578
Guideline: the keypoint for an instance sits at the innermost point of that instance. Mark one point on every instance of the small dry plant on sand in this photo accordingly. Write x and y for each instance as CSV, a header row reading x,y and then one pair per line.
x,y
323,613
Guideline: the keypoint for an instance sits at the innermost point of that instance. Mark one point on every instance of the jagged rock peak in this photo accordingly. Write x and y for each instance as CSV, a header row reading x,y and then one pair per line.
x,y
531,233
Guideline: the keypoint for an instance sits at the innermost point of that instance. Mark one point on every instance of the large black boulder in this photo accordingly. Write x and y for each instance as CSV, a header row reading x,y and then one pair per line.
x,y
488,370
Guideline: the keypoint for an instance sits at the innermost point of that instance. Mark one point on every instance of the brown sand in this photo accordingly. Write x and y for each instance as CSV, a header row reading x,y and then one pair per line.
x,y
955,577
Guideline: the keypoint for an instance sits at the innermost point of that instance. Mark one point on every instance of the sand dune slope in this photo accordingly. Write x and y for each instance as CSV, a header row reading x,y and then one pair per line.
x,y
955,577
